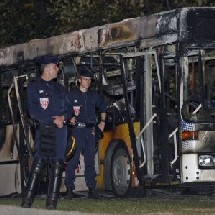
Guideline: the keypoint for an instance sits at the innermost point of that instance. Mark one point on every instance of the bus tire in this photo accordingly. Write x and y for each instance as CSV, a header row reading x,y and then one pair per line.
x,y
120,171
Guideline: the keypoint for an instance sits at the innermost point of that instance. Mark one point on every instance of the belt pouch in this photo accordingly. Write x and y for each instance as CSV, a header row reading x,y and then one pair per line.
x,y
47,140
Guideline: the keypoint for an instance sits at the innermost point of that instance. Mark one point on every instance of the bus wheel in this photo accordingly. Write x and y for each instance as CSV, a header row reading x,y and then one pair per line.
x,y
121,172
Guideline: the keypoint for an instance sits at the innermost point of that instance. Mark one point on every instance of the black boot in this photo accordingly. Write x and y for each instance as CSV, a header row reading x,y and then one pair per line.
x,y
54,185
70,193
33,181
93,194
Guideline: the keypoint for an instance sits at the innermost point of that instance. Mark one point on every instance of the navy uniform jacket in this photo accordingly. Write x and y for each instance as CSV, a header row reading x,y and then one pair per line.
x,y
45,100
84,105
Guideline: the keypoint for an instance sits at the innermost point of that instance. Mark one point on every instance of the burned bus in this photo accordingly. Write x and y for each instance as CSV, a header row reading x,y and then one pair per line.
x,y
157,75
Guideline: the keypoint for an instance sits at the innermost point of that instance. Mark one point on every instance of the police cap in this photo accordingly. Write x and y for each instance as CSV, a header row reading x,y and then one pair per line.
x,y
85,72
47,59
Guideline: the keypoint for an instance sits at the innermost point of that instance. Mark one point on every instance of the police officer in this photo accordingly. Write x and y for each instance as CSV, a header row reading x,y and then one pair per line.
x,y
84,102
47,105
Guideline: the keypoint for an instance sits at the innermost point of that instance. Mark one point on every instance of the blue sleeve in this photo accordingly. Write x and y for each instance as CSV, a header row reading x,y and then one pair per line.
x,y
68,107
100,104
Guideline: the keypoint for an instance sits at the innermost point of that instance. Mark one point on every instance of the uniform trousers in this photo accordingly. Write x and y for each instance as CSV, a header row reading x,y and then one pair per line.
x,y
85,144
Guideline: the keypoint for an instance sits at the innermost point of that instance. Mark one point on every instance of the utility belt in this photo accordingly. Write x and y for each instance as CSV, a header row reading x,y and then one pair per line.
x,y
84,125
36,124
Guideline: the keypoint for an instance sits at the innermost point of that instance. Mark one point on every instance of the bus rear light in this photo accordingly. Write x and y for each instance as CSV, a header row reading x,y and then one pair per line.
x,y
189,135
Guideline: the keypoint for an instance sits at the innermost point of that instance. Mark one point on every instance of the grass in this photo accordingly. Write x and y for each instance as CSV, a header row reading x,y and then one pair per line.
x,y
172,205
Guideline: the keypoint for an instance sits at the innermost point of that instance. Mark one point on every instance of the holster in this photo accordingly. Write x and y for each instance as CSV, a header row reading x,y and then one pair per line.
x,y
47,140
70,149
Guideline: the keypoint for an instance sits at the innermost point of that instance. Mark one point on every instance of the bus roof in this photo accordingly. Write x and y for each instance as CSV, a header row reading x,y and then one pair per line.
x,y
186,25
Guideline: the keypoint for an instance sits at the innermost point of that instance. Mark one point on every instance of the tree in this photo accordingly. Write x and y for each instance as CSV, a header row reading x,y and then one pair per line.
x,y
23,20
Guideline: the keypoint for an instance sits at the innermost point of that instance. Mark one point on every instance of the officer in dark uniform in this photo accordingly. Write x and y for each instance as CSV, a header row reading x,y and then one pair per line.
x,y
47,105
84,102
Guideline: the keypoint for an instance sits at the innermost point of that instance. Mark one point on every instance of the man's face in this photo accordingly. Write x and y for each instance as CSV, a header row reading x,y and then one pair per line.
x,y
85,82
54,69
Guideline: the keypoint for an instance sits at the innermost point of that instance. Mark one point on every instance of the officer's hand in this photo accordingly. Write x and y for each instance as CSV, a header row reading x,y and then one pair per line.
x,y
72,120
101,125
58,121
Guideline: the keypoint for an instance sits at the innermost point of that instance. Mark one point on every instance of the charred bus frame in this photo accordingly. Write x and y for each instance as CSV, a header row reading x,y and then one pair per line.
x,y
156,73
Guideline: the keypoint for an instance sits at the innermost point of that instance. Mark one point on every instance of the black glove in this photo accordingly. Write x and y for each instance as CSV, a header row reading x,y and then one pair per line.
x,y
98,133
